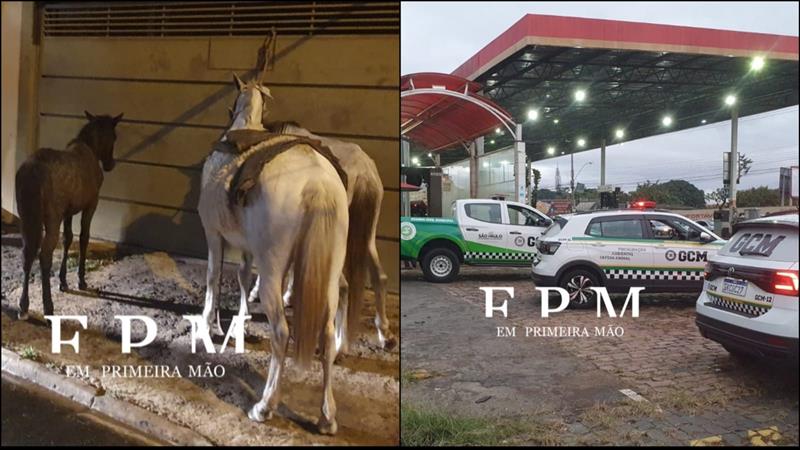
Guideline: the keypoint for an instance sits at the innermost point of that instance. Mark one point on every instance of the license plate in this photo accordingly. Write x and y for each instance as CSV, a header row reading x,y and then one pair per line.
x,y
734,287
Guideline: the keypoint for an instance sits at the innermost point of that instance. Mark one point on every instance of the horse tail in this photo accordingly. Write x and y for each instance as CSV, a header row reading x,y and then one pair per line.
x,y
362,217
28,185
312,260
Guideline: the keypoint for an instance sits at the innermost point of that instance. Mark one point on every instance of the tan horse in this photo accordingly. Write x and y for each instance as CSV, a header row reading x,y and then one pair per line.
x,y
295,220
364,194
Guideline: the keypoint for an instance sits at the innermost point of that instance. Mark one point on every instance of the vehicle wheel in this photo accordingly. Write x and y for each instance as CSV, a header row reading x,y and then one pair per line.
x,y
739,355
577,283
440,265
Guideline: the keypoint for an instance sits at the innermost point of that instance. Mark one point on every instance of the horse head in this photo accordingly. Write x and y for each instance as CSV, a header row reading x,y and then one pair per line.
x,y
100,134
249,109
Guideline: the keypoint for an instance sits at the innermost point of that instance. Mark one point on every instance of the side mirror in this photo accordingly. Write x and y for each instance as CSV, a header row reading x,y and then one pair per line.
x,y
705,237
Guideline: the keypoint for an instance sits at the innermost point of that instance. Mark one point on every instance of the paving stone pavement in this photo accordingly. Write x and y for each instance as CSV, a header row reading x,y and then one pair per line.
x,y
700,389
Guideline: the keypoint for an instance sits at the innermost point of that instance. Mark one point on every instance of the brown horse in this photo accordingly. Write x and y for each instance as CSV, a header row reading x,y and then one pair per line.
x,y
54,185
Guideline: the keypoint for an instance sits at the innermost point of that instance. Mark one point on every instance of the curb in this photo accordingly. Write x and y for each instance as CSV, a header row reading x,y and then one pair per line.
x,y
122,411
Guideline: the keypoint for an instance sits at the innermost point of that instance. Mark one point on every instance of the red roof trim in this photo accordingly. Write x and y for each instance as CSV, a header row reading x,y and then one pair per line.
x,y
598,33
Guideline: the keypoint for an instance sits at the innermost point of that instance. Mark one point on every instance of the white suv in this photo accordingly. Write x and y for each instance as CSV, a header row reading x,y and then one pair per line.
x,y
661,251
750,302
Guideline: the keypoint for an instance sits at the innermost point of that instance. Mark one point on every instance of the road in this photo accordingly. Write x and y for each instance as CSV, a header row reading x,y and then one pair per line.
x,y
694,389
33,416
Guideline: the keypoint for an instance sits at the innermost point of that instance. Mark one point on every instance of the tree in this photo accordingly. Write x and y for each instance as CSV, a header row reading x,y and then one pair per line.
x,y
758,196
547,194
744,166
719,197
537,177
673,193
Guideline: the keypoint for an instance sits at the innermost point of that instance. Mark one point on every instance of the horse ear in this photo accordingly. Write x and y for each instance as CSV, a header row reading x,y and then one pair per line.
x,y
117,119
88,115
238,81
264,90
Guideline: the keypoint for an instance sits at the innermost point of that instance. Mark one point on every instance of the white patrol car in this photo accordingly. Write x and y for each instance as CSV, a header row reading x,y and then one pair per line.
x,y
750,300
658,250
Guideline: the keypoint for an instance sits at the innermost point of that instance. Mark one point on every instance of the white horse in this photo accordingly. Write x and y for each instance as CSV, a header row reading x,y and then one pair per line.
x,y
295,220
364,194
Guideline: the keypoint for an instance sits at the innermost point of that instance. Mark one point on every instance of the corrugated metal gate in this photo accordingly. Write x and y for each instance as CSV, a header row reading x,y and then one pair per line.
x,y
168,67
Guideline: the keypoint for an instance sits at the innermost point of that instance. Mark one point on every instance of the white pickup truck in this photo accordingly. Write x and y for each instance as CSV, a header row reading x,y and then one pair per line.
x,y
482,232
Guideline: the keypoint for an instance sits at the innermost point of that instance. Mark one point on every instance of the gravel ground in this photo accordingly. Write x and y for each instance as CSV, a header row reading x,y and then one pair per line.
x,y
165,287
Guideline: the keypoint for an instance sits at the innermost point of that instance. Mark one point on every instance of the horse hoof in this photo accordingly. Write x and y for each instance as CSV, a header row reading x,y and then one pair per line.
x,y
389,343
256,415
22,315
327,427
82,286
63,286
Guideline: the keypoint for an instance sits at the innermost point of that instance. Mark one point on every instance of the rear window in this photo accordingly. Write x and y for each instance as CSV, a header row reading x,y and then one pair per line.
x,y
485,212
555,227
623,228
772,243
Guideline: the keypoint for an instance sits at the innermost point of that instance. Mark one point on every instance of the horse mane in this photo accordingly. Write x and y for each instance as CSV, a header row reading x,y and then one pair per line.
x,y
278,126
84,136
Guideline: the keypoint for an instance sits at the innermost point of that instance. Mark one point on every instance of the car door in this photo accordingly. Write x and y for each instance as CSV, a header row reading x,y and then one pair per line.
x,y
482,227
680,251
524,226
619,246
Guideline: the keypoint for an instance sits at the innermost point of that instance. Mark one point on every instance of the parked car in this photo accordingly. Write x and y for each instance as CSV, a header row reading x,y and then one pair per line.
x,y
749,303
658,250
481,232
706,223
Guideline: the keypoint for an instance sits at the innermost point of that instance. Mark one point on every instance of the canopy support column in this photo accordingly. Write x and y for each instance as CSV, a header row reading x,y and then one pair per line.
x,y
405,160
475,152
602,162
519,166
734,162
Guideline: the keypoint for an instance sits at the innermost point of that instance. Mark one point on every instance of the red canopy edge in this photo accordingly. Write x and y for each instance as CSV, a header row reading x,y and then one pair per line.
x,y
540,29
446,111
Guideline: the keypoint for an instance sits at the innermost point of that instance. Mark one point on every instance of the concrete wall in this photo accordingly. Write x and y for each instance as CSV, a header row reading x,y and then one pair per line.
x,y
12,36
20,58
175,93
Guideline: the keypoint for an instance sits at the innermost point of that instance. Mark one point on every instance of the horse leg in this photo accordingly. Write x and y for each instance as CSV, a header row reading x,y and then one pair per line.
x,y
379,278
270,293
327,420
62,274
30,248
86,222
287,287
46,262
341,318
254,292
244,277
211,308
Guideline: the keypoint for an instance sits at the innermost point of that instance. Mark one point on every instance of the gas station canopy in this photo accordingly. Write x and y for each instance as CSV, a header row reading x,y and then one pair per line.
x,y
571,80
439,111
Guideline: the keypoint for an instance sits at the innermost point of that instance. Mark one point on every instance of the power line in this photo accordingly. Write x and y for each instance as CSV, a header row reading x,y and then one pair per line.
x,y
693,178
